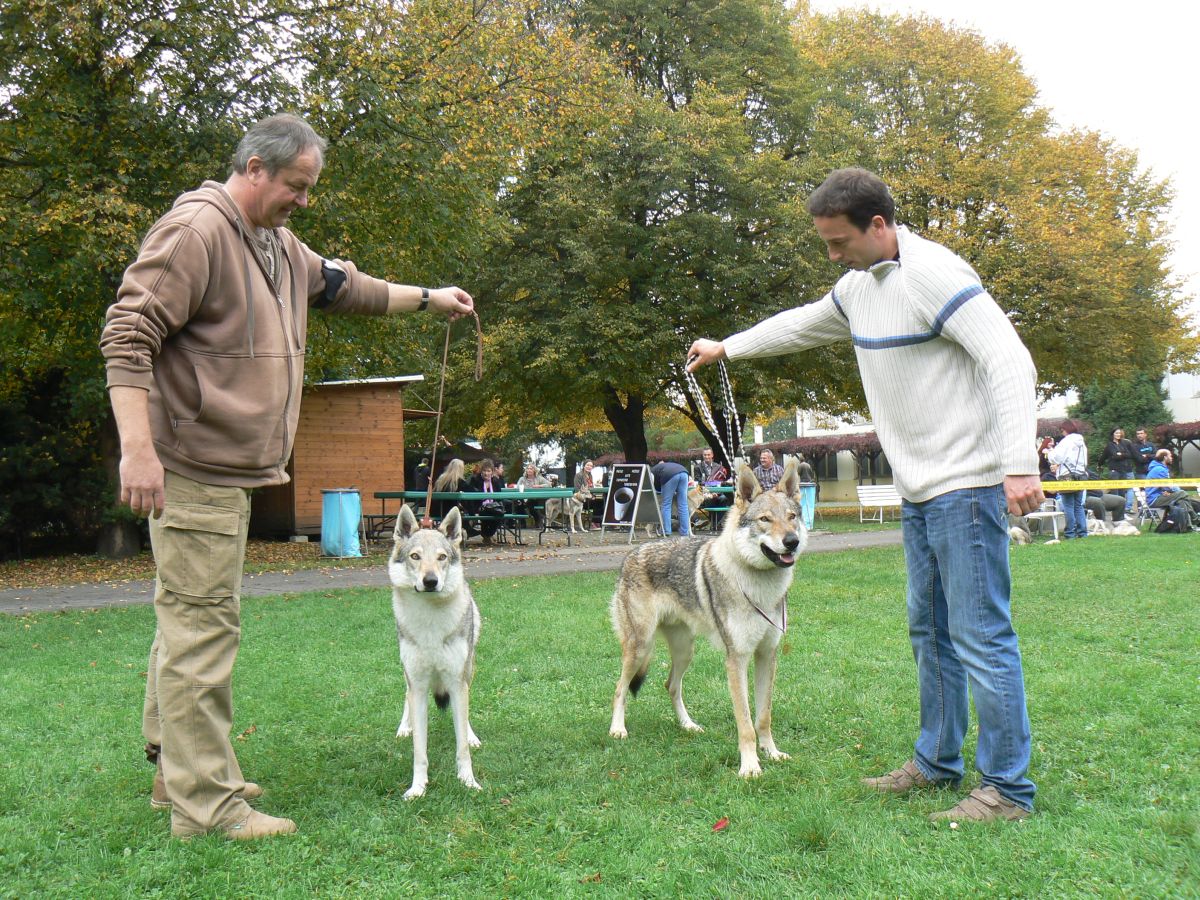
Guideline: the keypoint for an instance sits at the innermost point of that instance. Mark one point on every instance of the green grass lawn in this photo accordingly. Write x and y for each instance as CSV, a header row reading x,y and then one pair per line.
x,y
1109,634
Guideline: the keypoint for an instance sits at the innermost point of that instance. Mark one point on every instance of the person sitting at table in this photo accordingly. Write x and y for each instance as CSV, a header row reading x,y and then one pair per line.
x,y
491,510
533,480
711,471
453,478
768,472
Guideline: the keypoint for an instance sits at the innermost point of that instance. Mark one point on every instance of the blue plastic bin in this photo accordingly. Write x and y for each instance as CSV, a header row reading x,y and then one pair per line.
x,y
341,513
808,503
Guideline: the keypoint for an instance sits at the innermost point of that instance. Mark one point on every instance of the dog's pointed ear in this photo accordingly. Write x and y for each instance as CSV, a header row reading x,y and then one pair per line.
x,y
406,524
451,525
789,484
747,485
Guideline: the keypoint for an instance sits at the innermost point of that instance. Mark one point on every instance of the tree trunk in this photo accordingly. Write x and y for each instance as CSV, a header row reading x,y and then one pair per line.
x,y
629,422
121,536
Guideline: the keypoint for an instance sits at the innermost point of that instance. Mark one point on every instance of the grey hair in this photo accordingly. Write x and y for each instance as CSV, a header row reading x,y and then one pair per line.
x,y
277,140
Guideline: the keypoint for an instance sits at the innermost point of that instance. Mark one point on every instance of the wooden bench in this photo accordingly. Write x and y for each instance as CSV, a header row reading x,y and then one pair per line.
x,y
876,496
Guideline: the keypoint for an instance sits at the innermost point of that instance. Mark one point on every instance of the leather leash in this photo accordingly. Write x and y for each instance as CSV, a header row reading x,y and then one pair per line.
x,y
426,521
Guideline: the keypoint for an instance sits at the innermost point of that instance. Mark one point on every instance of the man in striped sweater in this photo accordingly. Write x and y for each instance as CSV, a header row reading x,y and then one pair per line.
x,y
951,391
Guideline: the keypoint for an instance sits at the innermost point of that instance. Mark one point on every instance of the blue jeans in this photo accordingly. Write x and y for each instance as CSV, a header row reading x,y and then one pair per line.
x,y
675,488
1073,509
956,550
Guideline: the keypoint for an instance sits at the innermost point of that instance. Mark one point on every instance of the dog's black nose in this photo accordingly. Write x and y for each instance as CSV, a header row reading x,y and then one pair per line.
x,y
430,582
792,541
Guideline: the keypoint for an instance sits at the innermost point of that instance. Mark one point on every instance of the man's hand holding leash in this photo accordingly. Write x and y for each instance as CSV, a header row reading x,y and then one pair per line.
x,y
704,352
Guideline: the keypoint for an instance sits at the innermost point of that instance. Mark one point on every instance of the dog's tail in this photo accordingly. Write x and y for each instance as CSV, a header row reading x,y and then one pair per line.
x,y
441,698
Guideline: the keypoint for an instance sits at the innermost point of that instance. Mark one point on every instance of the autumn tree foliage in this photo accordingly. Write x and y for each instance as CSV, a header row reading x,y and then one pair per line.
x,y
673,218
1066,231
110,110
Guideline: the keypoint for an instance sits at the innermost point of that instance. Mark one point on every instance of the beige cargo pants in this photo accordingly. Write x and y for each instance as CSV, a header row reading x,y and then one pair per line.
x,y
199,545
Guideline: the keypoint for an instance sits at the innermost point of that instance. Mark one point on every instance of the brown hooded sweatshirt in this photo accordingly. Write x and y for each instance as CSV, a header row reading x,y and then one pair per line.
x,y
219,345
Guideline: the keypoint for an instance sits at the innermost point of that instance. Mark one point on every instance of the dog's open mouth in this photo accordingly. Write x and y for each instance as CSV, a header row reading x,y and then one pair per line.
x,y
783,560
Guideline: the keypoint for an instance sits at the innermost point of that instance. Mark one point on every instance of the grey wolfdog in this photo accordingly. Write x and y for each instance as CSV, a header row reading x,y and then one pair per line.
x,y
437,623
733,590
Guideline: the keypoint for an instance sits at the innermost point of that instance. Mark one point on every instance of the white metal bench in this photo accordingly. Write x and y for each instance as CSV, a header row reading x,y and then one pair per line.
x,y
876,496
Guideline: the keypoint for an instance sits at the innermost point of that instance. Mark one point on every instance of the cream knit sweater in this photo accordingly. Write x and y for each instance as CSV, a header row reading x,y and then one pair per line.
x,y
949,384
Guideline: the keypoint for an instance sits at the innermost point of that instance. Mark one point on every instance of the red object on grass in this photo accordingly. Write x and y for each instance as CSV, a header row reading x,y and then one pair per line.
x,y
721,824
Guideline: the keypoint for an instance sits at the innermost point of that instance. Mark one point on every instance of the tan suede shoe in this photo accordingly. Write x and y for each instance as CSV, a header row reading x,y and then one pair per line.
x,y
984,804
160,800
902,780
255,825
259,825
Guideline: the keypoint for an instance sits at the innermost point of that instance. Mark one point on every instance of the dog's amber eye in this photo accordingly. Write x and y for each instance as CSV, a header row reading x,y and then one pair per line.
x,y
442,556
414,555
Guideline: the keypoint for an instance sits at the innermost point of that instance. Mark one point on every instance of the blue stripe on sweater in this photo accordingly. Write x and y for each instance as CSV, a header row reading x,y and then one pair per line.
x,y
837,304
907,340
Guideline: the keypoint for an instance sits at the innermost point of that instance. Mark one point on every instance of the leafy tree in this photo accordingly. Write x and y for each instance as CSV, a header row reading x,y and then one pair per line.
x,y
1130,402
672,219
1064,228
108,111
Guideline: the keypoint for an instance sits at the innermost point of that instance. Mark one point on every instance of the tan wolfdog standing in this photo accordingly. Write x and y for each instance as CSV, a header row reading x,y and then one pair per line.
x,y
731,589
437,623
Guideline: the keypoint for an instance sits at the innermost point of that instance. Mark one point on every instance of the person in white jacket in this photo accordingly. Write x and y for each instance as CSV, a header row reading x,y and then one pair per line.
x,y
1070,459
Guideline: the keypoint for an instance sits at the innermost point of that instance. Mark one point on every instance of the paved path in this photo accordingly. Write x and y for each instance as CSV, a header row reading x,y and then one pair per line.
x,y
594,557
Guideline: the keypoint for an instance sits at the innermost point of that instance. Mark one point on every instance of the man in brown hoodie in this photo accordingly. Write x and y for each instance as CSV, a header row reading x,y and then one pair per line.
x,y
205,356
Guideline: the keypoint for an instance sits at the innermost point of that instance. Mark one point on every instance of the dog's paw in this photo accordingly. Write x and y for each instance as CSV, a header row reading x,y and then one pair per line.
x,y
472,741
750,769
403,731
469,780
689,725
618,733
417,790
776,754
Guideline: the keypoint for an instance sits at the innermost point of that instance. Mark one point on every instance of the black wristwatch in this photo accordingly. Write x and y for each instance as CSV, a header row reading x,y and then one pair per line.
x,y
424,300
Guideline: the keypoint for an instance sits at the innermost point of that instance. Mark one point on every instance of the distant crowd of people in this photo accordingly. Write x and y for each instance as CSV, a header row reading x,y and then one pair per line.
x,y
1121,459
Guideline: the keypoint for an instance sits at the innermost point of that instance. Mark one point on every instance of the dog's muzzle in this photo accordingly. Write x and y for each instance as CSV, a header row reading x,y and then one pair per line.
x,y
788,556
429,584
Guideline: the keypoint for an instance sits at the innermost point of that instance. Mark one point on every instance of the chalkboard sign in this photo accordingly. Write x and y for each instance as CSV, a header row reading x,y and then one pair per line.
x,y
631,500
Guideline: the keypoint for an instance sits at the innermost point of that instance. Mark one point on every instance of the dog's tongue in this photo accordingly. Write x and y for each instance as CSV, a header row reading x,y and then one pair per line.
x,y
787,558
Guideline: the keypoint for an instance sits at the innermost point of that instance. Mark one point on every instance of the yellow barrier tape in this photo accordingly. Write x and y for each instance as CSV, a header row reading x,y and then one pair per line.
x,y
1117,484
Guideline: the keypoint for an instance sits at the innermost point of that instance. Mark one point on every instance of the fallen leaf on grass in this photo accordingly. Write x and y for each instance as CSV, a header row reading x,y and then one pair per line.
x,y
721,824
594,878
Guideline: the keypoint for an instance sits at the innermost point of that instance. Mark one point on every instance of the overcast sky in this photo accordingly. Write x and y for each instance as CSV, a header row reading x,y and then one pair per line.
x,y
1123,69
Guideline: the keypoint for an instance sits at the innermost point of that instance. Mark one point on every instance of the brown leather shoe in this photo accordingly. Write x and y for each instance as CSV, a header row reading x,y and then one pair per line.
x,y
902,780
984,804
160,800
259,825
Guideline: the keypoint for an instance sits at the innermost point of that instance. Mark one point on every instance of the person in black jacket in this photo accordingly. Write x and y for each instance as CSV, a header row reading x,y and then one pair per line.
x,y
1122,457
1145,451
